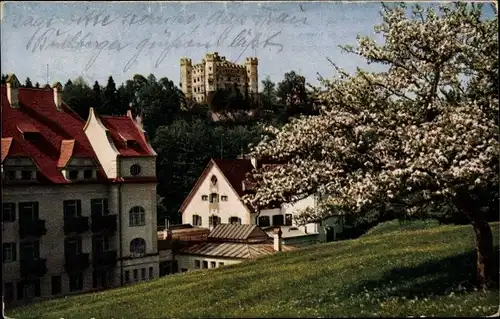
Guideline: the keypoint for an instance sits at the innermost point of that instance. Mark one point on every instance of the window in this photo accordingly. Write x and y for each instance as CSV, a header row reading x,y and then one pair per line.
x,y
221,264
8,212
28,291
137,247
288,220
235,220
26,175
135,170
30,250
214,198
223,198
213,180
213,264
213,220
102,243
73,174
197,264
183,270
11,175
136,275
278,220
205,264
137,216
28,211
76,282
127,275
204,197
264,221
8,292
9,252
72,208
73,246
56,285
88,174
197,220
143,273
99,206
151,274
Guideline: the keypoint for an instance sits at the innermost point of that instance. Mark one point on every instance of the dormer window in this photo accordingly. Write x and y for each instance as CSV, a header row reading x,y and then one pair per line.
x,y
88,174
73,174
128,139
10,175
28,130
26,175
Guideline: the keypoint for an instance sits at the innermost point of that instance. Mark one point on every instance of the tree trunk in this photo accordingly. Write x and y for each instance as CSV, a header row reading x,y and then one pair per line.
x,y
487,272
487,275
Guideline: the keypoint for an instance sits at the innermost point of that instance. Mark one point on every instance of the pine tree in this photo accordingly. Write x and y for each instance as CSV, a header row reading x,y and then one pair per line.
x,y
28,83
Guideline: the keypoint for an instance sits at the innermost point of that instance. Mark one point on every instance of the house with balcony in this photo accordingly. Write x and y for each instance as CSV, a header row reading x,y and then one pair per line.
x,y
71,222
216,198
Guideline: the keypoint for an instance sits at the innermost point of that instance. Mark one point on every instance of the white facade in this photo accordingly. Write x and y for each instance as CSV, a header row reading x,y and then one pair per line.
x,y
189,262
229,203
127,197
293,209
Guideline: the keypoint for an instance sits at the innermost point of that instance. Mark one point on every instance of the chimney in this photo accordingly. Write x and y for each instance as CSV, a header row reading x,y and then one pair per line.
x,y
13,90
57,88
253,160
277,239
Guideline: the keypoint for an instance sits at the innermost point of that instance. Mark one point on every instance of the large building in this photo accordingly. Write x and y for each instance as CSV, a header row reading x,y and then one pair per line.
x,y
214,72
79,198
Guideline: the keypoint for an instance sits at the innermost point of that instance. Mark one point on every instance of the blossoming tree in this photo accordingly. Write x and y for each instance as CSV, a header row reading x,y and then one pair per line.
x,y
423,132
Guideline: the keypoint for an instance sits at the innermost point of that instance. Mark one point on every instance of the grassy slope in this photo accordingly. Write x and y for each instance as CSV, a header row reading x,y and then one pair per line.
x,y
400,273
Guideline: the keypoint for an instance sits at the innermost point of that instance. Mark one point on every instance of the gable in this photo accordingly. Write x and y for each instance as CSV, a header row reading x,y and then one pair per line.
x,y
203,186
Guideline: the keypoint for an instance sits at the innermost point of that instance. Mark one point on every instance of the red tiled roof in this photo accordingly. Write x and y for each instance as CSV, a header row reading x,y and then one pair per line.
x,y
27,128
36,106
6,143
66,152
123,127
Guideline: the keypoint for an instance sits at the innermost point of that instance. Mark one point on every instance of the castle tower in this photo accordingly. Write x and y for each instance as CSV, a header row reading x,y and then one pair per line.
x,y
211,72
186,77
252,74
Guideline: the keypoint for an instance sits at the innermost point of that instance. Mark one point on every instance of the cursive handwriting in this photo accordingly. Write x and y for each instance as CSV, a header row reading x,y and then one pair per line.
x,y
52,38
246,38
254,41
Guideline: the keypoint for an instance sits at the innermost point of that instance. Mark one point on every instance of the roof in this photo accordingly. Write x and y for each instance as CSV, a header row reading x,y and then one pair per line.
x,y
289,232
65,152
6,143
123,129
37,112
235,171
232,250
237,232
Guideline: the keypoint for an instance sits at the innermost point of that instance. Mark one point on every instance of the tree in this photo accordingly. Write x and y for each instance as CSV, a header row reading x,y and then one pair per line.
x,y
293,95
28,83
4,78
37,85
268,95
111,101
418,135
97,100
79,96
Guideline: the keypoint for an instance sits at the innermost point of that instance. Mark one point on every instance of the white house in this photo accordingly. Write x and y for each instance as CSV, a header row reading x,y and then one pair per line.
x,y
217,198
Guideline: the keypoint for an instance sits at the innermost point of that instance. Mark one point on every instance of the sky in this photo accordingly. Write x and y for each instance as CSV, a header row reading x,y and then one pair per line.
x,y
96,39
